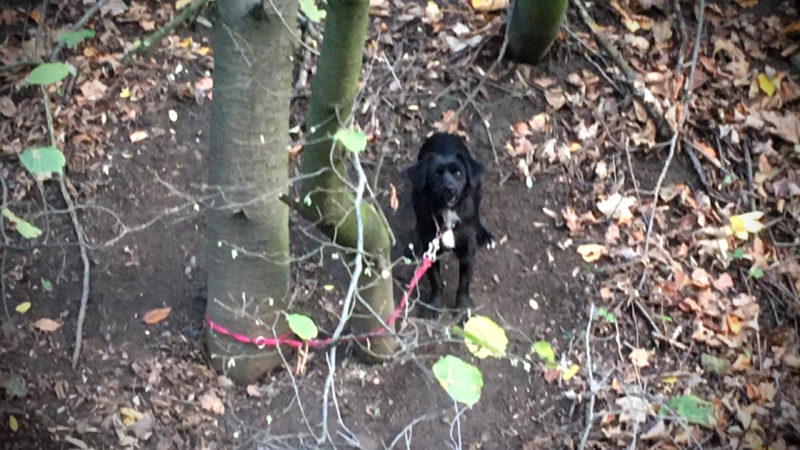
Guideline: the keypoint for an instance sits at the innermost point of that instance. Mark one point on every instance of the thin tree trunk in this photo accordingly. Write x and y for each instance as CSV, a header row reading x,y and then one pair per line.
x,y
331,205
247,235
533,27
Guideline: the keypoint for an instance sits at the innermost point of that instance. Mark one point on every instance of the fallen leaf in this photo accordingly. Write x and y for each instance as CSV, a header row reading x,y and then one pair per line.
x,y
592,252
138,135
7,106
210,402
154,316
766,85
723,282
93,90
489,5
734,323
742,224
700,278
23,307
640,357
555,97
45,324
634,409
570,372
394,203
254,391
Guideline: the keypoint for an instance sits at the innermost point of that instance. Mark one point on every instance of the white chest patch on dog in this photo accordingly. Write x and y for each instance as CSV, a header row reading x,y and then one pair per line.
x,y
450,219
449,239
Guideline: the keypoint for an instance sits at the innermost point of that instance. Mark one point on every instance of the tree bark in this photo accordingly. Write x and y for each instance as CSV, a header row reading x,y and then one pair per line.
x,y
247,235
331,205
533,27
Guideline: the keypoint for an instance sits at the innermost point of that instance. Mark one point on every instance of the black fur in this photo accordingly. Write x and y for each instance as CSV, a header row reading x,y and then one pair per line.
x,y
446,177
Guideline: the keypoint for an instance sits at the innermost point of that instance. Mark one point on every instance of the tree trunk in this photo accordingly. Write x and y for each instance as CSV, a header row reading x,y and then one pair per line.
x,y
533,27
247,235
331,205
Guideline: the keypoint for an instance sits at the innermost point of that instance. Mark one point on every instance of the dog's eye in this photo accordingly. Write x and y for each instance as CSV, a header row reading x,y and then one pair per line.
x,y
457,173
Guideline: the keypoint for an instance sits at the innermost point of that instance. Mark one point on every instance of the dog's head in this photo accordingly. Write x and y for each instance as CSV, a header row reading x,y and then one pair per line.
x,y
445,170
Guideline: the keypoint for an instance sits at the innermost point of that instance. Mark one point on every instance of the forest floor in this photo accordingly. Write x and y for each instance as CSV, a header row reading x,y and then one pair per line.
x,y
694,341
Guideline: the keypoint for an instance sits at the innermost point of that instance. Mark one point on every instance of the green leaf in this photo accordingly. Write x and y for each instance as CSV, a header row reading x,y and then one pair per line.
x,y
49,73
693,409
755,272
353,140
12,423
47,285
663,318
302,326
545,352
727,180
312,11
26,229
484,337
461,380
606,315
14,386
738,253
73,38
42,160
714,364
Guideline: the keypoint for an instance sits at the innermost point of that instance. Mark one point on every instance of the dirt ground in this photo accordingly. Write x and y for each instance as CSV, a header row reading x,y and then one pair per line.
x,y
532,284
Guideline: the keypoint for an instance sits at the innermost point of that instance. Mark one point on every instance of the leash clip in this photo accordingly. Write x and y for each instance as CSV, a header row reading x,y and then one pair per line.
x,y
433,249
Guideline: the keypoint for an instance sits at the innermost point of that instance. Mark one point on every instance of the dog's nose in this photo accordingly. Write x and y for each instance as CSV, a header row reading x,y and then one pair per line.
x,y
450,191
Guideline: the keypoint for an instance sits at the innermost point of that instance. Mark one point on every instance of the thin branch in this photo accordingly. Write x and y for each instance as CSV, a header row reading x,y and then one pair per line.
x,y
159,34
592,383
89,13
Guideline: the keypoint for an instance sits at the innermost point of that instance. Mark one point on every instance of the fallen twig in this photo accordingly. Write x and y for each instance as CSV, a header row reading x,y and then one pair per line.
x,y
159,34
636,86
592,383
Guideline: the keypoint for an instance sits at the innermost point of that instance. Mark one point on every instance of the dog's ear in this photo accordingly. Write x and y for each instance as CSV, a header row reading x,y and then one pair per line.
x,y
418,176
473,167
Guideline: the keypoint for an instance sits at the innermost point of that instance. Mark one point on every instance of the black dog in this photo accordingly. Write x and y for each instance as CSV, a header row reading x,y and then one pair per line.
x,y
446,193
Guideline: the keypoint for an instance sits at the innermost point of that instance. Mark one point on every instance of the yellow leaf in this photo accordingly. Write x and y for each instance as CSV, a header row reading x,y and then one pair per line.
x,y
203,51
591,252
570,372
130,415
125,93
745,223
766,84
489,5
12,423
734,323
669,380
328,287
179,4
23,307
185,42
485,337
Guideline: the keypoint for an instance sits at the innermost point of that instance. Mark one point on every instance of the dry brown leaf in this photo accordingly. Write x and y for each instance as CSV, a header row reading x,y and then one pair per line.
x,y
733,323
93,90
210,402
45,324
555,97
394,203
724,282
154,316
640,357
7,107
254,391
700,278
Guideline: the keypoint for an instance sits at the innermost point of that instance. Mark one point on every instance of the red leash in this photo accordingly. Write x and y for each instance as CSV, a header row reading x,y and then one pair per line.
x,y
285,339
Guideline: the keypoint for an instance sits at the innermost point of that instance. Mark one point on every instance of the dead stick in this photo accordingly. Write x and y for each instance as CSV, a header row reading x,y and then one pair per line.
x,y
161,32
637,88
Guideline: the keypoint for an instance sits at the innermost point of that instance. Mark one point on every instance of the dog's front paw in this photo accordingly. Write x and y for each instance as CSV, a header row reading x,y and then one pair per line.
x,y
486,238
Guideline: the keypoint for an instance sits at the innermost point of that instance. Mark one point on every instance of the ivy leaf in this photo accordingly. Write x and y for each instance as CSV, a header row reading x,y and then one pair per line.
x,y
26,229
608,316
43,160
692,408
73,38
302,326
312,11
484,337
49,73
353,140
47,285
755,272
461,380
545,352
